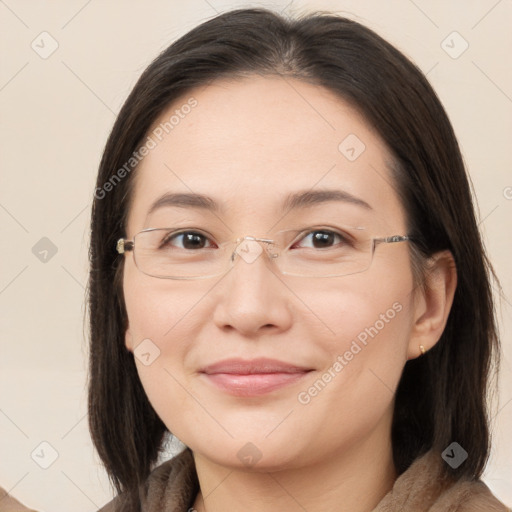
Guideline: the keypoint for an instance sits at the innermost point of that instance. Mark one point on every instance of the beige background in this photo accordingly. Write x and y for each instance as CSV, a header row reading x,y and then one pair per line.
x,y
56,113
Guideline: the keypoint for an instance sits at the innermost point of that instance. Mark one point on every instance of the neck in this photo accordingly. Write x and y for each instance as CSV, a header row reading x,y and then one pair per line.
x,y
355,480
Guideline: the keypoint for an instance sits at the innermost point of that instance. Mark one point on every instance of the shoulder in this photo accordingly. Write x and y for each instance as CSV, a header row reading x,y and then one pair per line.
x,y
9,504
473,496
171,486
425,487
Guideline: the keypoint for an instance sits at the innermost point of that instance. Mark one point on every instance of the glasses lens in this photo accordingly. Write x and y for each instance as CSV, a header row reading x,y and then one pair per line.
x,y
325,253
179,254
182,254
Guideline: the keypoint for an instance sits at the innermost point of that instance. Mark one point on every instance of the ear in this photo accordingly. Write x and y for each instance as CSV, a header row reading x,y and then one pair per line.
x,y
128,340
432,303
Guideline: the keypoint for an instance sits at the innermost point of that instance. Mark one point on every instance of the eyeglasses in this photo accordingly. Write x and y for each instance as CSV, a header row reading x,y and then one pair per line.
x,y
169,253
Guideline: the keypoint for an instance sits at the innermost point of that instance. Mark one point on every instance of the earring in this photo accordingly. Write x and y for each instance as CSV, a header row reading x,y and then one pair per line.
x,y
422,349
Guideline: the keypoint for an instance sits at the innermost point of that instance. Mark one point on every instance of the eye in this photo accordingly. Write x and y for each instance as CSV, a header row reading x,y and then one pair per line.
x,y
324,239
189,240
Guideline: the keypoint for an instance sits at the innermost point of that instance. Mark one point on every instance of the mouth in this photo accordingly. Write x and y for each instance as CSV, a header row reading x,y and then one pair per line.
x,y
254,377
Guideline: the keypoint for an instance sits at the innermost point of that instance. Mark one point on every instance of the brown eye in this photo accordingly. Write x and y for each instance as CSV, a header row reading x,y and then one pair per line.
x,y
322,239
189,240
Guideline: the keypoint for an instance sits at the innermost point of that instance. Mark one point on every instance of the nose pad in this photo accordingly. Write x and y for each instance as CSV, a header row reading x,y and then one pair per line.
x,y
250,248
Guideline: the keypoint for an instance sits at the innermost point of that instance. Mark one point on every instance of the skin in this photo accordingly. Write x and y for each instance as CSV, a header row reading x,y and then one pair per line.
x,y
247,144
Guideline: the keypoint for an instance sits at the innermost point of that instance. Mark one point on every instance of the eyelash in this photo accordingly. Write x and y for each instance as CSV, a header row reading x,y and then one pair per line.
x,y
303,235
344,238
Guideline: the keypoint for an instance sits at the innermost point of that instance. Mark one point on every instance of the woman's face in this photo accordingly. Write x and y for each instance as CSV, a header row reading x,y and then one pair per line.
x,y
339,344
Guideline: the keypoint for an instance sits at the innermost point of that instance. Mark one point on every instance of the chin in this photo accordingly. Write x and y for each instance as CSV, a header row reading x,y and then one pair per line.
x,y
259,456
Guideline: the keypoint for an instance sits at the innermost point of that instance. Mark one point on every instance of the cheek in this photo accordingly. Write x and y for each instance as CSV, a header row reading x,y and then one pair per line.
x,y
373,312
158,308
164,319
364,355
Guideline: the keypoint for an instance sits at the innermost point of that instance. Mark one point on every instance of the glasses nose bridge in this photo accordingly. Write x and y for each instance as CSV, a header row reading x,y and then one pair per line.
x,y
250,254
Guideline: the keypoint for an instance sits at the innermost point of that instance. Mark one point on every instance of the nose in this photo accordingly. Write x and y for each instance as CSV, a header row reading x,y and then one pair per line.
x,y
252,296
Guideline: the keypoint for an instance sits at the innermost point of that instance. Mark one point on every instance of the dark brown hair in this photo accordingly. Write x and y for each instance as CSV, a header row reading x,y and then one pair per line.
x,y
441,397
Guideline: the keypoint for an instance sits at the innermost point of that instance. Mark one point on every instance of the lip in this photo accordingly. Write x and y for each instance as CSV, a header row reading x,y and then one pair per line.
x,y
255,377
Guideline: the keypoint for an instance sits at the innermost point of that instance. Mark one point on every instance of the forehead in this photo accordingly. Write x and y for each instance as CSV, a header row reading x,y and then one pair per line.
x,y
250,142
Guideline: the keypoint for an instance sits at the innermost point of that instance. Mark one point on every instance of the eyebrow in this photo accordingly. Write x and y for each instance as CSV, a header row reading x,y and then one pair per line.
x,y
185,201
301,199
307,198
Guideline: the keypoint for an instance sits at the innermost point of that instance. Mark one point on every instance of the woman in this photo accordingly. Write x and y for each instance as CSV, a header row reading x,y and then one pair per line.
x,y
287,275
323,370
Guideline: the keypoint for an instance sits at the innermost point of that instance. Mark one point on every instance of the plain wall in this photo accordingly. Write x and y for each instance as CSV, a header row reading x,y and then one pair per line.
x,y
56,113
